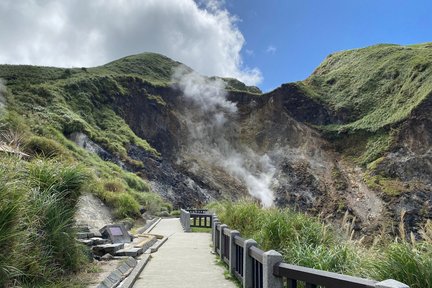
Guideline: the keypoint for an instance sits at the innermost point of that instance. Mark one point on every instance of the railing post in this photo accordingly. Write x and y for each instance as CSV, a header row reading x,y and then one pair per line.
x,y
215,239
185,220
215,220
232,256
390,283
221,242
247,263
271,258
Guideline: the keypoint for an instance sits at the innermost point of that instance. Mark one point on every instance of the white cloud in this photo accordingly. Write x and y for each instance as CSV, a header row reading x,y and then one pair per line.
x,y
88,33
271,49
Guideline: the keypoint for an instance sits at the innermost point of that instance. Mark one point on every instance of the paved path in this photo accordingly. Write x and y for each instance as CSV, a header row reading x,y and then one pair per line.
x,y
185,260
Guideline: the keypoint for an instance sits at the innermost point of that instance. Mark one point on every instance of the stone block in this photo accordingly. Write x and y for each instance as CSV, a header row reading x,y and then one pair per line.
x,y
107,248
99,241
82,235
115,276
117,233
96,233
131,262
132,252
124,269
88,242
108,282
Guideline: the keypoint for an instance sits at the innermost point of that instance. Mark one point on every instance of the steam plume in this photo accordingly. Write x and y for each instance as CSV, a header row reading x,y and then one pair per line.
x,y
211,132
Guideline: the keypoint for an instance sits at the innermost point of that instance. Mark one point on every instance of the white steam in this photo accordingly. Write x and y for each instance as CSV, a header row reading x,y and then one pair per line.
x,y
210,132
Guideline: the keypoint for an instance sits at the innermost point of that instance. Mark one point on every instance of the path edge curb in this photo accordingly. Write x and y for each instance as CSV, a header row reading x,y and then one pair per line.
x,y
133,276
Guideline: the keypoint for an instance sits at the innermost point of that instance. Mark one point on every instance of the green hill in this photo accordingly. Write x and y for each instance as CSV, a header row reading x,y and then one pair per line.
x,y
370,92
378,86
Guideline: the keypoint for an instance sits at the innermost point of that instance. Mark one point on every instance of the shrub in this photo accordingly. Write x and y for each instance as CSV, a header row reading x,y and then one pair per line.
x,y
135,182
126,206
45,147
114,186
152,202
175,213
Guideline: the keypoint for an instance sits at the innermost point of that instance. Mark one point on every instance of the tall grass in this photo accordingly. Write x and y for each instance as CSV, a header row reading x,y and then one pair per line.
x,y
37,207
302,239
405,262
307,241
10,205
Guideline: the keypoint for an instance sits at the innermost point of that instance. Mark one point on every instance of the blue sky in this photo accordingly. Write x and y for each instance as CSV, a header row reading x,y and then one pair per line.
x,y
287,39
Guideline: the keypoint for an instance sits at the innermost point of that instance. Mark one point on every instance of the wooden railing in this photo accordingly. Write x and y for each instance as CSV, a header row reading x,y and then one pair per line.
x,y
195,218
201,220
256,268
197,211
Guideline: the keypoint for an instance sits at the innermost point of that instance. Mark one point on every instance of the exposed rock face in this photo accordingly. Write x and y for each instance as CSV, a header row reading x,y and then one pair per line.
x,y
262,125
410,161
93,212
270,139
411,156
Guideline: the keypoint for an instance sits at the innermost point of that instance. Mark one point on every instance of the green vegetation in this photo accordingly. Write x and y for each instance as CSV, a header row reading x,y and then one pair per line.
x,y
235,85
411,263
307,241
375,88
45,106
302,239
36,220
152,67
39,197
379,85
201,230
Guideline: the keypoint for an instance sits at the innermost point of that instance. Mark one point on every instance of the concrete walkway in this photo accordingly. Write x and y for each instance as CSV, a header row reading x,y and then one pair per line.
x,y
185,260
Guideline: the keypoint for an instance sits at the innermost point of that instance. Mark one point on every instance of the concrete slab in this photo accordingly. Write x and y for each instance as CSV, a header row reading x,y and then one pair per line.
x,y
185,260
107,248
132,252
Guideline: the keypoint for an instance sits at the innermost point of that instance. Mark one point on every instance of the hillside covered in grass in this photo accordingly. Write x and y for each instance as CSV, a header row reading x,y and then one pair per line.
x,y
371,91
44,168
375,87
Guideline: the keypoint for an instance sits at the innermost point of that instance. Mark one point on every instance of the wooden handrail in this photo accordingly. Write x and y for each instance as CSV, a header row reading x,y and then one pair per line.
x,y
319,277
239,241
256,253
227,232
